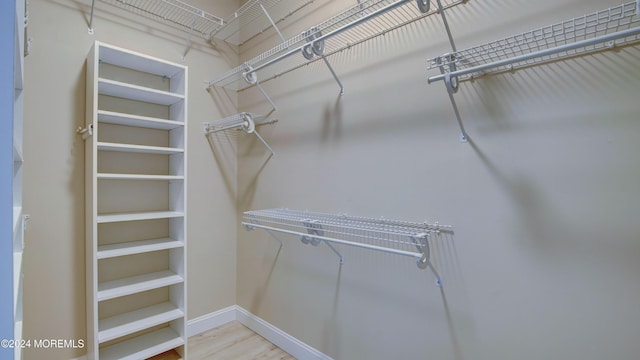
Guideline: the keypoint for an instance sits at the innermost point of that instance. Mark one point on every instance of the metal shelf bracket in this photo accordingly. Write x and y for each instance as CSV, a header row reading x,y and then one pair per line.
x,y
243,121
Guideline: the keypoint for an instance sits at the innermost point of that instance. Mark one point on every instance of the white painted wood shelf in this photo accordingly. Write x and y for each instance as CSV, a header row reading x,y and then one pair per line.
x,y
143,346
111,117
106,146
111,176
137,247
134,321
136,216
130,242
136,284
138,93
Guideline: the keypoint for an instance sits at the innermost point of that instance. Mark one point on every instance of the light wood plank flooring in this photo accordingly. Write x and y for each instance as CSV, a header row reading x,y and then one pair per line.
x,y
232,341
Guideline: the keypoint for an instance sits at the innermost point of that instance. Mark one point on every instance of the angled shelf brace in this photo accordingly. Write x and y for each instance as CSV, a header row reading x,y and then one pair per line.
x,y
173,12
395,237
603,30
334,35
255,17
244,121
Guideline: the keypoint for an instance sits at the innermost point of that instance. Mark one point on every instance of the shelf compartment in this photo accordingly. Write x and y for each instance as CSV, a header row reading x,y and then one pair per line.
x,y
143,346
138,320
116,118
136,284
389,236
136,61
255,17
138,93
17,154
339,33
111,176
106,146
137,247
134,216
603,30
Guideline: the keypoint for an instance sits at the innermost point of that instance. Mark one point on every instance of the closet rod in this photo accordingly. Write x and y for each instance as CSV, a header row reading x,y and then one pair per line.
x,y
540,53
337,241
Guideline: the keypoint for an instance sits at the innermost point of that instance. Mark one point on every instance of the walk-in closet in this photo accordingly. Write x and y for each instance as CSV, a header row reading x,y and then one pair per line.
x,y
319,179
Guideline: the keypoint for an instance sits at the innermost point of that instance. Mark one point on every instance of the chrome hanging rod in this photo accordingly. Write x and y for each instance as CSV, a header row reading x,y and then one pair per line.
x,y
337,241
243,121
537,54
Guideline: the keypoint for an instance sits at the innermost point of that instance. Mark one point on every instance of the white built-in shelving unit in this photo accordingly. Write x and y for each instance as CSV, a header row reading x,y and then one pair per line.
x,y
18,214
136,199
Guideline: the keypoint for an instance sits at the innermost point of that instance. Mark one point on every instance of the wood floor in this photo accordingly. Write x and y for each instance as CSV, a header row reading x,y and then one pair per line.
x,y
232,341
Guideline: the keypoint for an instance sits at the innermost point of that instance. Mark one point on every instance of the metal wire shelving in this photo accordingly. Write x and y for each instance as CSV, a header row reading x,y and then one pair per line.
x,y
403,238
336,34
599,31
255,17
172,12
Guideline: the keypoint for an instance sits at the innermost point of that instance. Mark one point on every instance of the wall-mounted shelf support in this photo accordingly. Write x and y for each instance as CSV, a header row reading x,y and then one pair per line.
x,y
394,237
86,132
603,30
244,121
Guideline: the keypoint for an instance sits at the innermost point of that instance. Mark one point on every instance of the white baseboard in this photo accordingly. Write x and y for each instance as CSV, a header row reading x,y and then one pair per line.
x,y
211,321
281,339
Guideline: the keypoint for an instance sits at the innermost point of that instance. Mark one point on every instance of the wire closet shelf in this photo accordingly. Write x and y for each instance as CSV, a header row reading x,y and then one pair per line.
x,y
403,238
255,17
362,22
603,30
175,13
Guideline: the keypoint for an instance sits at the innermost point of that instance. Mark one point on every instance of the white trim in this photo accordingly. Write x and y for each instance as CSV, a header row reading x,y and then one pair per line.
x,y
83,357
211,321
286,342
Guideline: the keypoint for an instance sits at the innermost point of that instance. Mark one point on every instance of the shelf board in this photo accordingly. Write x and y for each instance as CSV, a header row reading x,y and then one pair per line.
x,y
136,284
117,118
134,216
137,247
144,346
139,93
106,146
110,176
131,60
128,323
